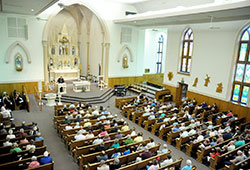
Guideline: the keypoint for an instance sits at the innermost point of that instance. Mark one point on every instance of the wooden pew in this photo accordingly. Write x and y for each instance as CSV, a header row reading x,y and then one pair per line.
x,y
142,164
91,158
218,161
240,165
6,149
49,166
123,159
204,152
4,158
22,164
86,149
178,162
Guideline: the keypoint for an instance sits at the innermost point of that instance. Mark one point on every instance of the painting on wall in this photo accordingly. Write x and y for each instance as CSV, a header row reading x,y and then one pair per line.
x,y
19,62
125,62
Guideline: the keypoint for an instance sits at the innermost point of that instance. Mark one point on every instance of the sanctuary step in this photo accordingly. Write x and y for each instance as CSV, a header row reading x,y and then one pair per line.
x,y
90,100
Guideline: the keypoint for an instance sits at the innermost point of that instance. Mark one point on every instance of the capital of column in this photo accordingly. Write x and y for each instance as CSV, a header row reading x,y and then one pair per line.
x,y
45,43
107,45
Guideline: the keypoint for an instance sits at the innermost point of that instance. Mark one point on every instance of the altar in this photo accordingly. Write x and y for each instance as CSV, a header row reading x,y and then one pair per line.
x,y
78,86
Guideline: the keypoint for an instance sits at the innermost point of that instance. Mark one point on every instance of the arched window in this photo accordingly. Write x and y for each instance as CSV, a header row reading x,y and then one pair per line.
x,y
241,83
159,54
187,50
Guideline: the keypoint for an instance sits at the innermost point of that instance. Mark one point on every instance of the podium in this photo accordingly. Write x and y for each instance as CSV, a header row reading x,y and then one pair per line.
x,y
63,86
51,97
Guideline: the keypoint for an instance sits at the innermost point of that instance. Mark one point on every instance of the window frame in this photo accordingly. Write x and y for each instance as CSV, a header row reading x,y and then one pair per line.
x,y
246,62
188,56
159,57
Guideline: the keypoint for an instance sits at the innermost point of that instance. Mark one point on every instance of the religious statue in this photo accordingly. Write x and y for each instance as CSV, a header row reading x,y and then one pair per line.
x,y
19,62
195,82
219,88
75,62
125,62
207,80
73,50
60,49
51,63
53,50
170,76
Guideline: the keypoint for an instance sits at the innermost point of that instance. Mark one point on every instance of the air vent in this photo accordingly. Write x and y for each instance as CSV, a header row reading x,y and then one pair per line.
x,y
130,13
17,28
126,35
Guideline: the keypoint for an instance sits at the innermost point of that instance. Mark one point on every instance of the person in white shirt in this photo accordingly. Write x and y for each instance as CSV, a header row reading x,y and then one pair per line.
x,y
192,132
7,143
95,112
77,125
182,127
151,143
79,136
98,140
10,135
199,138
184,134
167,161
6,113
68,127
81,130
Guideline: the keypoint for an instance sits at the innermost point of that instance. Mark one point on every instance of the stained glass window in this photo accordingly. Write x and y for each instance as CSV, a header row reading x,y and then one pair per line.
x,y
243,51
159,54
236,92
244,95
187,50
241,84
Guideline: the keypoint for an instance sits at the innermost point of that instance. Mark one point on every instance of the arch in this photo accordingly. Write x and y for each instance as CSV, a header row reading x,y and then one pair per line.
x,y
12,47
103,24
123,49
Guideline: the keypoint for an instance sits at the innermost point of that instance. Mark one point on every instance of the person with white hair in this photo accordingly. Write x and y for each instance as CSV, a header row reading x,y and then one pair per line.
x,y
79,136
10,135
188,165
167,161
46,159
68,127
7,142
77,125
103,166
6,113
34,163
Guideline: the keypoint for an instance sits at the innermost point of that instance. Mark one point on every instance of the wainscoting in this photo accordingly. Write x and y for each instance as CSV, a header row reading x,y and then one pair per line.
x,y
223,105
10,87
136,79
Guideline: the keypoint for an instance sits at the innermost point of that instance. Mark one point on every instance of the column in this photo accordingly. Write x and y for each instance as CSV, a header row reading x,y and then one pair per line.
x,y
103,45
107,46
45,63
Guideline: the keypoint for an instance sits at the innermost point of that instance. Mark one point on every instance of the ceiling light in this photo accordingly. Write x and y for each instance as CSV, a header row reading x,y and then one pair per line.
x,y
32,10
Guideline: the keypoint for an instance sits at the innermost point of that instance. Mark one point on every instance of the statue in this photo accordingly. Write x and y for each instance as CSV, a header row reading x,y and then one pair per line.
x,y
170,76
195,82
219,88
125,62
207,80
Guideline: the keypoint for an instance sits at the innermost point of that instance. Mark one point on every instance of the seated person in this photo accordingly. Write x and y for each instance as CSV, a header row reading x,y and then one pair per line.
x,y
129,140
116,154
127,151
34,163
79,136
188,166
115,144
106,138
118,135
116,164
167,161
103,166
139,138
125,127
154,166
239,142
98,140
19,100
15,148
46,159
7,101
11,135
146,154
7,142
240,157
100,147
151,143
39,137
24,140
6,113
103,156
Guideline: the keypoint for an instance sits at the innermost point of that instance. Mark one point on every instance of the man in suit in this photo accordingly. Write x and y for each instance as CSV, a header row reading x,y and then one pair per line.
x,y
60,80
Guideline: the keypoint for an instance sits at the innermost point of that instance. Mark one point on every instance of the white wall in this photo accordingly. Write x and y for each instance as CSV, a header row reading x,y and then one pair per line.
x,y
31,72
151,49
214,53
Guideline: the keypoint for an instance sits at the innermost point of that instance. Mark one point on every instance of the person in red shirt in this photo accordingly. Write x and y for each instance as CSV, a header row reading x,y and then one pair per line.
x,y
216,153
33,163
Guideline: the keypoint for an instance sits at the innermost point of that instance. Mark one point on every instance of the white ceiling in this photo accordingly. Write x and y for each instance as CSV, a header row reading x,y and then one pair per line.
x,y
199,14
26,7
155,5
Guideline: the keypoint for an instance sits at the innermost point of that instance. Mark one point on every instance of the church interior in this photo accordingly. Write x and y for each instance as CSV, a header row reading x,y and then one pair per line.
x,y
125,84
